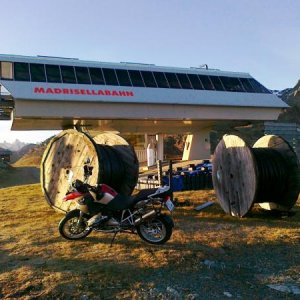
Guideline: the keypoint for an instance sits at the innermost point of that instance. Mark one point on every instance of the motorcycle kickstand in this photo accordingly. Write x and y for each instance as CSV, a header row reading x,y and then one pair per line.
x,y
113,239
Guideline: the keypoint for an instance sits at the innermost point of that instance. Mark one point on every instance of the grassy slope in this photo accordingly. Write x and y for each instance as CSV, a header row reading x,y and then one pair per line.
x,y
242,255
32,158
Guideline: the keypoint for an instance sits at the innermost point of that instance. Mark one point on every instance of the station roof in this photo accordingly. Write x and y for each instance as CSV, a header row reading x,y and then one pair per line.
x,y
61,91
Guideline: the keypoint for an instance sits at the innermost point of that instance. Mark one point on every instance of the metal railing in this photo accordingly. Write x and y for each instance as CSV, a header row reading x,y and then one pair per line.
x,y
141,154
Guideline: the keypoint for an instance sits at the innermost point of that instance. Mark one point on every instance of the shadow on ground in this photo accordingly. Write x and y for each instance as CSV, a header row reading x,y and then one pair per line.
x,y
14,176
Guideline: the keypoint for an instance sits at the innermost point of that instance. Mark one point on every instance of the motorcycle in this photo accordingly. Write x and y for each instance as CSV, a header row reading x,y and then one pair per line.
x,y
100,208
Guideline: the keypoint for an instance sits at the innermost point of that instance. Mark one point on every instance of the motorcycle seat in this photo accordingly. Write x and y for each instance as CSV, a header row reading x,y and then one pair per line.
x,y
144,194
121,202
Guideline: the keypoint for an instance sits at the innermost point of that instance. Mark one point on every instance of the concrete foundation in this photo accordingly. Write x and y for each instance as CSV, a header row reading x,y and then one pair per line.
x,y
197,146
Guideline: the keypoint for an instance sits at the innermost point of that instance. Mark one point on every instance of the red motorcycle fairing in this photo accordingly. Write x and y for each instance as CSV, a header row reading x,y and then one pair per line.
x,y
107,189
73,196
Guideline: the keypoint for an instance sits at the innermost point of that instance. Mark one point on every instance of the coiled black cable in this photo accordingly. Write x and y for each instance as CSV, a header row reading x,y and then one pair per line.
x,y
272,175
111,166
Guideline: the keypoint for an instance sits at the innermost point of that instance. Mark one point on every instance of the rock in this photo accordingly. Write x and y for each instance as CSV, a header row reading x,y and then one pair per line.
x,y
173,294
209,263
84,297
192,297
286,288
214,264
227,294
154,292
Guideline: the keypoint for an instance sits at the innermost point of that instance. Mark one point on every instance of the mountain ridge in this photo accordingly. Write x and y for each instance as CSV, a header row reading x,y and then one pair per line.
x,y
17,145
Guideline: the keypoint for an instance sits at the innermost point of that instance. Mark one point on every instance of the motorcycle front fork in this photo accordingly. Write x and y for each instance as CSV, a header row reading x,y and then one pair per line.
x,y
80,218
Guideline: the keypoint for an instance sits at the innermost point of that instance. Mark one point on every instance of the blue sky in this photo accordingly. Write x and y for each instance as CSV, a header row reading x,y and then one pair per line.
x,y
256,36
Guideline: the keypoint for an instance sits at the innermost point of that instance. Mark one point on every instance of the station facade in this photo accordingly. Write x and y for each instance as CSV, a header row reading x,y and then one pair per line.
x,y
47,93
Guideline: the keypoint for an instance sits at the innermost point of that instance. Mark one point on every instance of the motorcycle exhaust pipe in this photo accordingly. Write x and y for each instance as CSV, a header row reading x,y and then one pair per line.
x,y
145,216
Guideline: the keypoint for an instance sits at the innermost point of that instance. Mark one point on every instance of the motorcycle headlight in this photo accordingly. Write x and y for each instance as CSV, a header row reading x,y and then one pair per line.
x,y
82,201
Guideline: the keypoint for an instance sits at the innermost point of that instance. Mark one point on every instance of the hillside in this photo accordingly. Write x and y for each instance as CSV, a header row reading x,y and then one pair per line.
x,y
292,98
16,155
18,149
24,167
32,157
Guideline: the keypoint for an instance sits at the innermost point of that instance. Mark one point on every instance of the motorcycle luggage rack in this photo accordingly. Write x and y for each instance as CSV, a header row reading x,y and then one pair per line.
x,y
160,191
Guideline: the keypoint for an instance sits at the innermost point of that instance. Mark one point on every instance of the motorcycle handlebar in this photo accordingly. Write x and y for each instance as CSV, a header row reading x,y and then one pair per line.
x,y
81,186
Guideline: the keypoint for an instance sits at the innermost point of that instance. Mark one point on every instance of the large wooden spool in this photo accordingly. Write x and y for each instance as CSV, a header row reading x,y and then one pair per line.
x,y
267,174
114,163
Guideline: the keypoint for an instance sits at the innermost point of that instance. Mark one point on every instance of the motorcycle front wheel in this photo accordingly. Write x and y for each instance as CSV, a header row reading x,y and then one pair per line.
x,y
157,230
72,228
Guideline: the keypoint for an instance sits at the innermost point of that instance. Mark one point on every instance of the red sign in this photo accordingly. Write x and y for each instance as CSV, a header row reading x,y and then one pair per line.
x,y
89,92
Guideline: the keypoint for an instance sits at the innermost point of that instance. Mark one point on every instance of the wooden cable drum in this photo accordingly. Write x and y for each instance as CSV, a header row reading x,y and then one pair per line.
x,y
114,163
267,174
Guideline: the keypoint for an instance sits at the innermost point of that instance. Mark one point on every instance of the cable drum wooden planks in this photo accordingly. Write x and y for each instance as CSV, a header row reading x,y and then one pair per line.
x,y
267,174
114,163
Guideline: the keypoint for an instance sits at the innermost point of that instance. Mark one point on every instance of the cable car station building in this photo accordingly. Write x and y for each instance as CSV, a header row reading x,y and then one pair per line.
x,y
48,93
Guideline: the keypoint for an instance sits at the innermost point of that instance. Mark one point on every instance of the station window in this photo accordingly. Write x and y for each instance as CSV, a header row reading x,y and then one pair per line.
x,y
161,79
247,85
100,76
173,81
37,72
206,82
232,84
97,76
123,78
195,81
53,73
82,75
6,70
184,81
136,78
110,76
21,71
148,79
258,88
217,83
68,74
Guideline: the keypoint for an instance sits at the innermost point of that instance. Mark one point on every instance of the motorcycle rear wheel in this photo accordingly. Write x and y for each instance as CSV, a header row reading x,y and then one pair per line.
x,y
157,230
70,229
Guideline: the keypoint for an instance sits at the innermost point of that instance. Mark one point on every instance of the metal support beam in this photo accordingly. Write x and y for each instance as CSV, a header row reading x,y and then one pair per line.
x,y
160,146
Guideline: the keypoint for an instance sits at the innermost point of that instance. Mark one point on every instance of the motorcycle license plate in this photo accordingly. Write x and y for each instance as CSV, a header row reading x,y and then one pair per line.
x,y
169,204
